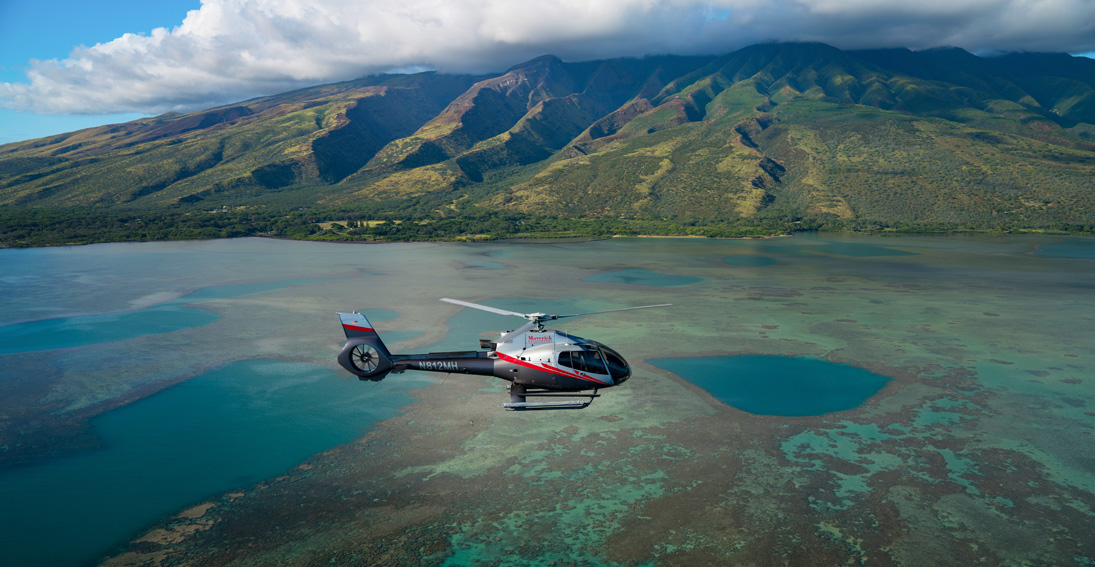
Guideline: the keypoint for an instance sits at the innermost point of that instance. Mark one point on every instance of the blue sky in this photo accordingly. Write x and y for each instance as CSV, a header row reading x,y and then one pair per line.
x,y
66,64
49,29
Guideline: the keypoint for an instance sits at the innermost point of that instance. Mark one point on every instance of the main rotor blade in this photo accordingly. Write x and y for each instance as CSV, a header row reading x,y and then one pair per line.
x,y
609,311
482,307
518,332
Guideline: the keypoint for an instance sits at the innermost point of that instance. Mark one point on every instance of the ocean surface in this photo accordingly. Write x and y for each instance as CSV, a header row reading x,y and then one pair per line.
x,y
935,378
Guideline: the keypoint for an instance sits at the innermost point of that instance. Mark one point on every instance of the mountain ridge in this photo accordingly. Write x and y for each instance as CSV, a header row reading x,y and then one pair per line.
x,y
800,131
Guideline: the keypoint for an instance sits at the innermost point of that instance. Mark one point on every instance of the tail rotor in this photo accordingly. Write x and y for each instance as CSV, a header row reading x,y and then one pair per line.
x,y
364,358
364,353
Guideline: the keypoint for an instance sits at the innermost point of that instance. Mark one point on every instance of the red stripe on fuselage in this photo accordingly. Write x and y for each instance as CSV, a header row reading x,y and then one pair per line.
x,y
551,369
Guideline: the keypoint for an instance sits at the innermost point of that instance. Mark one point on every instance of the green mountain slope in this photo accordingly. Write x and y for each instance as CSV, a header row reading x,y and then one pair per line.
x,y
813,131
789,132
310,137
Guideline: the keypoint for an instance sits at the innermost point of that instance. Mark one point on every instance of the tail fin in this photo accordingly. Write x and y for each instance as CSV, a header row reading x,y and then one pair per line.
x,y
356,325
364,354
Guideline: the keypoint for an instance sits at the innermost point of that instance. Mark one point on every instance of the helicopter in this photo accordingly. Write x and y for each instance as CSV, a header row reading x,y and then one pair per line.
x,y
539,363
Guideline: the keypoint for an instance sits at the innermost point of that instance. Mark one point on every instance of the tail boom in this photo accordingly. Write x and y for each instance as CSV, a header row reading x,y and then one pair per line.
x,y
368,358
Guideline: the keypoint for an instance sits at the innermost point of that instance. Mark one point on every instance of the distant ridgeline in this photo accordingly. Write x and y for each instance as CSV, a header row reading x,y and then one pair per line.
x,y
767,139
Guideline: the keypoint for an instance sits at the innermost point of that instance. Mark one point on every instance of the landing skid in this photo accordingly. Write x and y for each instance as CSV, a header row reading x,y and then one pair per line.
x,y
518,395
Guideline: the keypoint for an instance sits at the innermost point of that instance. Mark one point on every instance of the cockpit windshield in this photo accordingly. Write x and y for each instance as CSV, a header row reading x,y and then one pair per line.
x,y
617,366
599,359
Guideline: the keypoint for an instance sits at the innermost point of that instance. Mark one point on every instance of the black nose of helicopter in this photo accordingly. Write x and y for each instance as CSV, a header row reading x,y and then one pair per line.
x,y
617,366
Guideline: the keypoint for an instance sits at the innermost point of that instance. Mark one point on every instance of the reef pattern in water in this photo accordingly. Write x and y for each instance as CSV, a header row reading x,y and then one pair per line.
x,y
974,451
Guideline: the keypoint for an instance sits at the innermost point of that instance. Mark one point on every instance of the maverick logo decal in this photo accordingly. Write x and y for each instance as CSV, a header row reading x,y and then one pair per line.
x,y
539,339
441,366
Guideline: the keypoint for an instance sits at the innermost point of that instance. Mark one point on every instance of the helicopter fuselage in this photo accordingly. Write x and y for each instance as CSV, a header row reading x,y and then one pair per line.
x,y
536,361
558,361
549,359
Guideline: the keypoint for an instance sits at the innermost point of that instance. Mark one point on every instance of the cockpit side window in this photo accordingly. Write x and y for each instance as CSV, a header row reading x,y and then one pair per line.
x,y
564,359
583,360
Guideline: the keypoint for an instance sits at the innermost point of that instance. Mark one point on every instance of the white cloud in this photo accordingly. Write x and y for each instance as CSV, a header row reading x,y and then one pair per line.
x,y
230,50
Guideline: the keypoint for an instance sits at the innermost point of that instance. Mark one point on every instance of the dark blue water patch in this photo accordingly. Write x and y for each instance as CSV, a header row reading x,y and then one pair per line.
x,y
641,276
83,330
778,385
749,261
94,329
221,431
1078,248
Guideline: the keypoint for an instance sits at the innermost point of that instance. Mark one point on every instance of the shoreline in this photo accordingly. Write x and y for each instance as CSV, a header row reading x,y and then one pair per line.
x,y
566,238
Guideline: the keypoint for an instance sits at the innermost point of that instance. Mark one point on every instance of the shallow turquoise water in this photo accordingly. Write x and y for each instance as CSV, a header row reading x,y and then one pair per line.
x,y
225,430
775,385
82,330
811,245
230,291
1071,248
749,261
641,276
